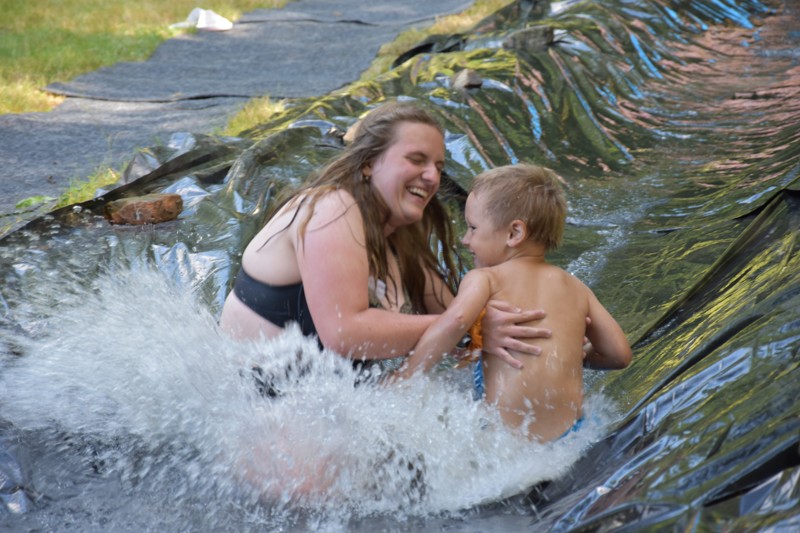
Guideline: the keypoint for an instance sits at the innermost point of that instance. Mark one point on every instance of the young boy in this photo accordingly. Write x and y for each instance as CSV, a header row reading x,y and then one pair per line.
x,y
514,215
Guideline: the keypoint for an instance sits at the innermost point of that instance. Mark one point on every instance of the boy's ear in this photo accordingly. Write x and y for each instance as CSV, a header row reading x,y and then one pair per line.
x,y
517,233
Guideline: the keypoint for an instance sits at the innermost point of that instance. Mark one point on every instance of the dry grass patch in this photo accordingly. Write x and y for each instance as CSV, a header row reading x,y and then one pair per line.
x,y
256,111
82,190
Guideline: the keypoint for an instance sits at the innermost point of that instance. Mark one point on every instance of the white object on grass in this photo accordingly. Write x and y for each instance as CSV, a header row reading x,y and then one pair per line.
x,y
204,19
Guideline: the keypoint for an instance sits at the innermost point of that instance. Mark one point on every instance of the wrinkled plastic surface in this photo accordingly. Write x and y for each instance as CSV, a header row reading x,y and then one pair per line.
x,y
675,125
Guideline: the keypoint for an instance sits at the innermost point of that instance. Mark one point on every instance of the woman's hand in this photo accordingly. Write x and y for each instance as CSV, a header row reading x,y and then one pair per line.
x,y
503,334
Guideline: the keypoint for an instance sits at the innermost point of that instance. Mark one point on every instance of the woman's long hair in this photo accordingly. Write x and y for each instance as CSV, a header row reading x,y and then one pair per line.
x,y
429,243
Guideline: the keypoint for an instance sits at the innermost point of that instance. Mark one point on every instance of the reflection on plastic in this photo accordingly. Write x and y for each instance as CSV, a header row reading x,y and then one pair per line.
x,y
683,218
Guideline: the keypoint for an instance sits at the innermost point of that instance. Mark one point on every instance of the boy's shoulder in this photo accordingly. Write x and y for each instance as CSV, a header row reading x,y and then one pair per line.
x,y
516,267
570,278
481,279
478,274
509,274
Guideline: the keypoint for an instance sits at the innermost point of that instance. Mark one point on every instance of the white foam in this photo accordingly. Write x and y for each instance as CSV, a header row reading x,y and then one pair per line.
x,y
141,368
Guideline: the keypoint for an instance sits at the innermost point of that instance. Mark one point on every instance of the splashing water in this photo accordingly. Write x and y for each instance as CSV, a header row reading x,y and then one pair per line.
x,y
134,394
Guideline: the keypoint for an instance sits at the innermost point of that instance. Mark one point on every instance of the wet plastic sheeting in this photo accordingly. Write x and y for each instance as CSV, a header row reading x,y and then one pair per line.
x,y
675,126
716,394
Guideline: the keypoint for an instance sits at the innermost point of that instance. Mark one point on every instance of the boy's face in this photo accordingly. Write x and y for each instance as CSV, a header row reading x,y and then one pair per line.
x,y
486,242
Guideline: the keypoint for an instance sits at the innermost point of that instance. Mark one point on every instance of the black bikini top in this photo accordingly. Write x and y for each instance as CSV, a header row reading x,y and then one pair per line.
x,y
280,304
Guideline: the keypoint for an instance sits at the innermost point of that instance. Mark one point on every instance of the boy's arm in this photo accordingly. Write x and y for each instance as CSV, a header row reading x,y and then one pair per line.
x,y
610,349
443,335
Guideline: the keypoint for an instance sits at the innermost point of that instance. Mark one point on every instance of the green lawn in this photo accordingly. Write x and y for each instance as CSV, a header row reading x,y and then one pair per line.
x,y
42,41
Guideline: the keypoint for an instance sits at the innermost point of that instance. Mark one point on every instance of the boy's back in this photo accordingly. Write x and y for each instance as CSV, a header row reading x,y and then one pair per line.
x,y
515,215
545,397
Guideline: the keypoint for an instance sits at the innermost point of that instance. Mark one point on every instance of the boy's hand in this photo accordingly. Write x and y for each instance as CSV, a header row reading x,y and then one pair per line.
x,y
503,334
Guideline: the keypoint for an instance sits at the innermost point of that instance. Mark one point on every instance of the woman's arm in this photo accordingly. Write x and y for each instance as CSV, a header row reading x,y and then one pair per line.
x,y
332,260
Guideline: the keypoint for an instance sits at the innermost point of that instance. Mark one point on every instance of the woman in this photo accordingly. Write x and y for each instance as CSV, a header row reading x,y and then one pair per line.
x,y
351,256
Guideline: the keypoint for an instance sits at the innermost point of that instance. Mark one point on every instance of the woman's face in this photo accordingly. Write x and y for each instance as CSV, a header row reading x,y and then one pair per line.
x,y
486,242
408,173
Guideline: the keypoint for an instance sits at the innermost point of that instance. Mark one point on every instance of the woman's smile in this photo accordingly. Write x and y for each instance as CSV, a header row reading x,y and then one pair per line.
x,y
408,174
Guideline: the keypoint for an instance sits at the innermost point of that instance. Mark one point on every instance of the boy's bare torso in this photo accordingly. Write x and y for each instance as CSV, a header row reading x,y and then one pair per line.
x,y
545,397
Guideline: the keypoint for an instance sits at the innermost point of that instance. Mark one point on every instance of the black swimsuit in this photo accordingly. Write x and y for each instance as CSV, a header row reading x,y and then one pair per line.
x,y
280,304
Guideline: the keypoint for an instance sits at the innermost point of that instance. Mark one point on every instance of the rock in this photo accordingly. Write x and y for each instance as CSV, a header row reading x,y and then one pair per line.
x,y
467,79
533,38
148,209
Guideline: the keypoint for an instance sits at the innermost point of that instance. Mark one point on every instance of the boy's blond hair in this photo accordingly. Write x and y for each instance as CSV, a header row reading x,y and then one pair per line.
x,y
528,193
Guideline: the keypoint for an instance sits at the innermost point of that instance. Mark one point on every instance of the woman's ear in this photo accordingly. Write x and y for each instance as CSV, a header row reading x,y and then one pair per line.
x,y
517,233
366,170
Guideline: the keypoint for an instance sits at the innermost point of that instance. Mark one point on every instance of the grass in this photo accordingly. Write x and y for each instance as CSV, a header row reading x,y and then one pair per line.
x,y
42,41
82,190
79,190
254,112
